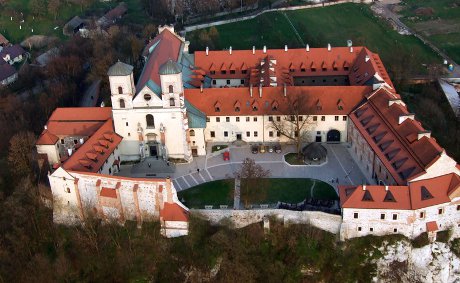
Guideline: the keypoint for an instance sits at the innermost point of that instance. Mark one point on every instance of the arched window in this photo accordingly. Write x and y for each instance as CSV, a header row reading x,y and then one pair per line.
x,y
171,89
120,90
67,190
150,121
122,103
192,133
172,102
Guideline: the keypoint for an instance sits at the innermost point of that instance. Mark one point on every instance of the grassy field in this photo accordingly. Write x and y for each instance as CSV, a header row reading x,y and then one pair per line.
x,y
320,26
46,24
438,20
286,190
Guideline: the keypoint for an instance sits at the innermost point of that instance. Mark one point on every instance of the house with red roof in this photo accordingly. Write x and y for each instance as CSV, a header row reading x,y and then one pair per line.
x,y
183,101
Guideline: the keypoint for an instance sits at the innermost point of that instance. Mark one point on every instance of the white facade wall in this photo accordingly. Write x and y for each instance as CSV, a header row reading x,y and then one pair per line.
x,y
197,140
263,126
218,83
51,150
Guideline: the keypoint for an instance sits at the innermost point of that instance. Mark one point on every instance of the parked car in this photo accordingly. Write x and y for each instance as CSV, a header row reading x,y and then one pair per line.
x,y
261,148
278,148
255,149
270,149
226,155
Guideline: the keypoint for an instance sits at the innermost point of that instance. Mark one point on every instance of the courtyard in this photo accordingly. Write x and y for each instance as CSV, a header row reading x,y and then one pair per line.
x,y
339,168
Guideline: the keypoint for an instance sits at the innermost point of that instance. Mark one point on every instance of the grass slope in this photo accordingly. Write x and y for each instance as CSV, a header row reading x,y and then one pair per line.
x,y
286,190
320,26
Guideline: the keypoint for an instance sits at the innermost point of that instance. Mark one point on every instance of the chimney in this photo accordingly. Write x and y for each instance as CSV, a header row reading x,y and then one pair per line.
x,y
46,127
265,49
284,90
230,50
250,89
328,47
367,58
201,88
386,188
351,49
82,141
397,101
422,134
285,48
364,187
307,48
403,117
69,151
207,51
349,43
253,50
260,90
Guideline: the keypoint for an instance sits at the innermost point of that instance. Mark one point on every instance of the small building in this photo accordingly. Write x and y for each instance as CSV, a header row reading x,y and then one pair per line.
x,y
47,57
73,26
3,41
8,74
112,16
13,54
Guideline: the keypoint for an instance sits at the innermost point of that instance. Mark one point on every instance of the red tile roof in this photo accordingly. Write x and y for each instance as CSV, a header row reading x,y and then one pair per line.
x,y
94,152
81,114
432,226
173,212
168,47
47,138
109,193
416,195
395,144
294,62
328,96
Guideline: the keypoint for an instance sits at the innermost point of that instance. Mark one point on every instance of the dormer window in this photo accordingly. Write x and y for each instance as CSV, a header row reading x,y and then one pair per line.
x,y
318,107
232,72
172,102
254,108
120,90
223,72
217,109
212,72
244,71
217,106
171,89
237,109
340,107
303,70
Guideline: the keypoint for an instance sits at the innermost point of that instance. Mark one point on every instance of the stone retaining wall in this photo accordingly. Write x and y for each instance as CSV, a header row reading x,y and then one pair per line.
x,y
242,218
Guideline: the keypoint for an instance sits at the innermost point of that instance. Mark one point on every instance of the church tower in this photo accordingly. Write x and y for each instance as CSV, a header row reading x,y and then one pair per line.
x,y
172,95
121,85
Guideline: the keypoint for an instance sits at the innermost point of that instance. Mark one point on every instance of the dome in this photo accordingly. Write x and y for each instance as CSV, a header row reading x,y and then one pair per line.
x,y
169,68
314,151
120,69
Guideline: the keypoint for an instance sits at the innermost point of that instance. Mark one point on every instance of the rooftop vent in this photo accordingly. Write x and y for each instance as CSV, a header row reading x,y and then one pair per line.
x,y
230,50
349,43
253,50
207,51
328,47
285,48
265,49
307,48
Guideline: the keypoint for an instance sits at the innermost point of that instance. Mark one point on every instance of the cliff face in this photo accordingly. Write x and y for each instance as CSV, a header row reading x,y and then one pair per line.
x,y
432,263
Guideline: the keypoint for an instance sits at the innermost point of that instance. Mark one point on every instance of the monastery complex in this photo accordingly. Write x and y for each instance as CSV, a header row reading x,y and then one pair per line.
x,y
183,101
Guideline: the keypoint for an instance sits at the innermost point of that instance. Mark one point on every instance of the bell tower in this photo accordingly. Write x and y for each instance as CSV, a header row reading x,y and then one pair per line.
x,y
121,85
171,84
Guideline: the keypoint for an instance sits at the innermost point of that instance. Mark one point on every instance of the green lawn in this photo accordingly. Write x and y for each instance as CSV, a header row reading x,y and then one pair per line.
x,y
441,26
292,159
286,190
320,26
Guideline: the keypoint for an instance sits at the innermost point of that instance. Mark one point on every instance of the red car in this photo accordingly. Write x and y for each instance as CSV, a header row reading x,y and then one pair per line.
x,y
226,155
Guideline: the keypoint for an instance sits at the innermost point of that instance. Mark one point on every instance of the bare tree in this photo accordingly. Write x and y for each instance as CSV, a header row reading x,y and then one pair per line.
x,y
253,179
295,122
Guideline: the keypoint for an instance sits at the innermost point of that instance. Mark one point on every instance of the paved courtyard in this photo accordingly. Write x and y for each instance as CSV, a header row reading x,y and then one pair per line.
x,y
339,166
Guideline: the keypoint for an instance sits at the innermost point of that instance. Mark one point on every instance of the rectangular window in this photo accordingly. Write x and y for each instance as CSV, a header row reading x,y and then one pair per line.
x,y
422,214
300,118
208,119
232,72
355,215
213,72
242,82
440,211
395,217
318,133
323,118
359,229
270,118
336,118
214,82
244,71
371,229
458,207
223,72
225,134
62,141
296,134
228,82
255,119
395,230
247,119
126,124
237,119
344,118
315,118
248,134
213,134
255,133
227,119
292,118
217,119
270,134
278,134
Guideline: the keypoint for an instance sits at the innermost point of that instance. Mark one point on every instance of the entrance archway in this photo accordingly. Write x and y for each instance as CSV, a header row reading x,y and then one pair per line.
x,y
333,136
